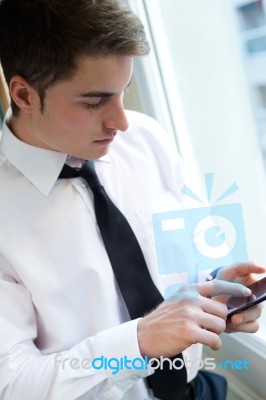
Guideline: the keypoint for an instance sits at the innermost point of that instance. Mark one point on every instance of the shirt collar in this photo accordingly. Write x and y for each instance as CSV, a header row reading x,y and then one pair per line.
x,y
40,166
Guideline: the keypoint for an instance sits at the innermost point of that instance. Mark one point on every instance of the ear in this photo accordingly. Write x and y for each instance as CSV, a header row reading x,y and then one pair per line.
x,y
23,94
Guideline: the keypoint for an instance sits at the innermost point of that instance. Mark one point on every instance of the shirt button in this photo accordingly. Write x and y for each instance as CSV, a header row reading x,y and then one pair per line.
x,y
83,185
134,378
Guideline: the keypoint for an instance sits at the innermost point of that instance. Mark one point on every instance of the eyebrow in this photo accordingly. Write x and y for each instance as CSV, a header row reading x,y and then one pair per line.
x,y
96,94
101,94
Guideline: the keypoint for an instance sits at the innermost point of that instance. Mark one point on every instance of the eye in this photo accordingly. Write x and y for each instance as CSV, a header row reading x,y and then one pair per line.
x,y
96,102
93,106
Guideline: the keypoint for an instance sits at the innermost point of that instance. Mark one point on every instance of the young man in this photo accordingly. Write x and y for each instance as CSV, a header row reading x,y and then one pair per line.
x,y
67,65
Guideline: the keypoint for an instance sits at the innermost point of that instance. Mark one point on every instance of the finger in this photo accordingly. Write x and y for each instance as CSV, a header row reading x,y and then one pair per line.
x,y
248,327
208,338
219,287
214,307
238,270
249,315
212,323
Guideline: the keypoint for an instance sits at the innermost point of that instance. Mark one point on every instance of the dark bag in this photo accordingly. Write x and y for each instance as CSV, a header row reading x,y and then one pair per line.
x,y
210,386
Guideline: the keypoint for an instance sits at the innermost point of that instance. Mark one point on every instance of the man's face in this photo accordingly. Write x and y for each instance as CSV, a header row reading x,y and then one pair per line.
x,y
82,115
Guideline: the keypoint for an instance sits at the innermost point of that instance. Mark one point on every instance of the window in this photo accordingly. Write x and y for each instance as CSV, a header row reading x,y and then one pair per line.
x,y
251,15
251,22
208,69
1,114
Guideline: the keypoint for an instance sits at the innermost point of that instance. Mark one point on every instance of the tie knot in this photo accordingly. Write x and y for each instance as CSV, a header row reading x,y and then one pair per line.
x,y
89,174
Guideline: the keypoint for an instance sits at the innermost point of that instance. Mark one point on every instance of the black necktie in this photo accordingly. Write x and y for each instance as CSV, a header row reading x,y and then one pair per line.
x,y
131,272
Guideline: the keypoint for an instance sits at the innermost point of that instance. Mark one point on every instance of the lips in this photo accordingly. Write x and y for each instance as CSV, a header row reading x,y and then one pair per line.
x,y
104,141
107,140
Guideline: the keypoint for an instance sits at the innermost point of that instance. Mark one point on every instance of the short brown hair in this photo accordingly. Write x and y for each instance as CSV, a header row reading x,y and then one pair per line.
x,y
41,40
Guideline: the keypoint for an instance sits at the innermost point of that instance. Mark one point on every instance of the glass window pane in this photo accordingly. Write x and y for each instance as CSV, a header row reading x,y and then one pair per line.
x,y
251,16
256,45
1,114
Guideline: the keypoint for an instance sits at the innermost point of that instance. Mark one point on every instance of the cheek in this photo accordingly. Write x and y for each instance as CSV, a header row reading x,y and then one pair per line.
x,y
76,119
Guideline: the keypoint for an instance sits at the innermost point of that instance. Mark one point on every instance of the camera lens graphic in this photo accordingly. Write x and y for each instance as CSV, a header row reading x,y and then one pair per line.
x,y
214,237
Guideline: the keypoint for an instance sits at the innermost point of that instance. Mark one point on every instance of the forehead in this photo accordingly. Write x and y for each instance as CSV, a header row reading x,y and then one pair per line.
x,y
111,72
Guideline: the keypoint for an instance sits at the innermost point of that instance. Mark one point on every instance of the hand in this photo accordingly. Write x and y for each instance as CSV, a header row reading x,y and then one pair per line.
x,y
190,316
245,321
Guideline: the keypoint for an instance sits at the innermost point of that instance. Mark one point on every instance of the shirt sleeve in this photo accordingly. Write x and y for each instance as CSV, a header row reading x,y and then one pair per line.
x,y
68,374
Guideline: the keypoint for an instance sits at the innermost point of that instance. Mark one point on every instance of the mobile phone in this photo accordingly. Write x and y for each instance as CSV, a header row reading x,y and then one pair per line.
x,y
237,304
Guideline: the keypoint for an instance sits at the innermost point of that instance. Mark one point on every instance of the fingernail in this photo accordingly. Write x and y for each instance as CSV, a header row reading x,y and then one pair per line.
x,y
247,292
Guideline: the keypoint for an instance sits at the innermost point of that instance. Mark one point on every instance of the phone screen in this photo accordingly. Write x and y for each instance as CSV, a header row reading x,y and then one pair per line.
x,y
236,304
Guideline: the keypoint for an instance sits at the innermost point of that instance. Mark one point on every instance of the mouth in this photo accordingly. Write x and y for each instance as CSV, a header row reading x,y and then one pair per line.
x,y
105,141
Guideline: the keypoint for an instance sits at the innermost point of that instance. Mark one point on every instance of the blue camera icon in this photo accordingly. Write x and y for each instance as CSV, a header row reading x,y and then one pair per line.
x,y
202,238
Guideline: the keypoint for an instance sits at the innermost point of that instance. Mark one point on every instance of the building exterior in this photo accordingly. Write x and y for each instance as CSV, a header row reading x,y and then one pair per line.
x,y
251,24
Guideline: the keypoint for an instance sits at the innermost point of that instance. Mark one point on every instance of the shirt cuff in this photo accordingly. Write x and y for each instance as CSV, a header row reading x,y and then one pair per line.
x,y
121,356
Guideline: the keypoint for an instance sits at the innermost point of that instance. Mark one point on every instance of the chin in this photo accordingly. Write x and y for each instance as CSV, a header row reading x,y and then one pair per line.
x,y
96,155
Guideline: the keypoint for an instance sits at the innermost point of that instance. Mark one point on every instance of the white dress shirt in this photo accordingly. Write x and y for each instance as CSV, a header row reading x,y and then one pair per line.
x,y
57,288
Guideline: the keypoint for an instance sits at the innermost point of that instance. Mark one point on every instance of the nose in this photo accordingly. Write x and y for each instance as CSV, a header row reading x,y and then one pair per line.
x,y
117,119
